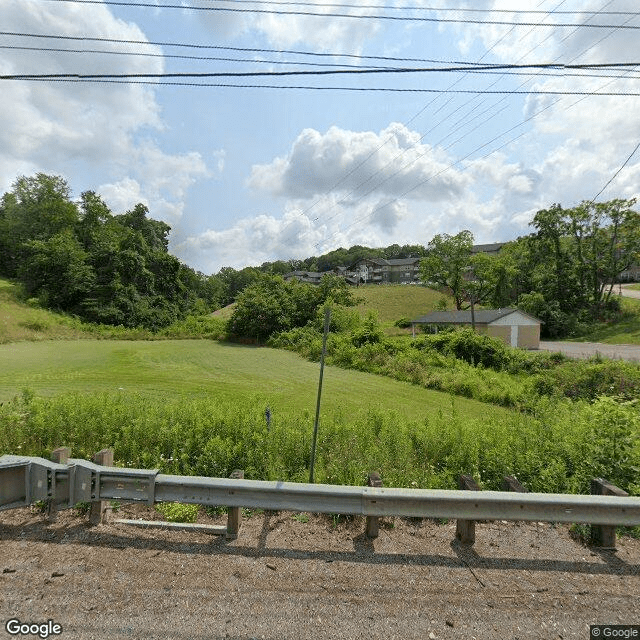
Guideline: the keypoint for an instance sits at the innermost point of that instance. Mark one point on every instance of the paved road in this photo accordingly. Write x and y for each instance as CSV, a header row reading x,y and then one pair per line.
x,y
630,352
629,293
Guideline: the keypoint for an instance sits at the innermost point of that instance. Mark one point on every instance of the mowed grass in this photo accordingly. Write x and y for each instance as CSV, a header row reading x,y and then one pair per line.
x,y
230,373
395,301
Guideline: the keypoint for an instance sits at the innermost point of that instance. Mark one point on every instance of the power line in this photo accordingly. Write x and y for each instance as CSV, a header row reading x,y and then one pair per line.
x,y
114,80
434,9
469,69
227,48
325,72
615,175
509,142
181,57
345,15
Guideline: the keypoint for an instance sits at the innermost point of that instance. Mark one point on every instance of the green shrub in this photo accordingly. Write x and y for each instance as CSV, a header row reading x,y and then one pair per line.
x,y
203,326
558,447
403,322
177,512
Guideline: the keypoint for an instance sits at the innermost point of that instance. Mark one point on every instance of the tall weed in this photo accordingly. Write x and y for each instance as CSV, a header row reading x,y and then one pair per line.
x,y
559,447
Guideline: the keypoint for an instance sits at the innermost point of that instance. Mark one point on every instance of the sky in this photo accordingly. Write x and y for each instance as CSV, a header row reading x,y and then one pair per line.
x,y
245,175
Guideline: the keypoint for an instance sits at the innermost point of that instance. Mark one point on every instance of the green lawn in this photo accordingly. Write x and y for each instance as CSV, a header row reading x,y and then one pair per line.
x,y
394,301
200,368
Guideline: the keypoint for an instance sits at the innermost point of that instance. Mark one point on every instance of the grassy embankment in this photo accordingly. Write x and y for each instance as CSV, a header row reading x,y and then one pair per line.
x,y
393,302
198,407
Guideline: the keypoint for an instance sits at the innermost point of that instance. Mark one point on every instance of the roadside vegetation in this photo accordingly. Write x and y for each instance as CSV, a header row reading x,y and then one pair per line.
x,y
558,448
152,366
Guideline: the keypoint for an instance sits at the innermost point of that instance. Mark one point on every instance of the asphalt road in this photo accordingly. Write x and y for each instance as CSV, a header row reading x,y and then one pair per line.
x,y
629,352
629,293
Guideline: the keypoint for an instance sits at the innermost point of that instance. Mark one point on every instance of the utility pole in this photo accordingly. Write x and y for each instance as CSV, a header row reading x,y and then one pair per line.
x,y
327,318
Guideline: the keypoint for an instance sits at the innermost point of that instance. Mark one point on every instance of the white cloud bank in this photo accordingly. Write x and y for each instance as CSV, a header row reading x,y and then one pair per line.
x,y
87,129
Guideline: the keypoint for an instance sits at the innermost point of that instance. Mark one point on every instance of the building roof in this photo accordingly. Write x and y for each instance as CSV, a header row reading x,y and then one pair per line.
x,y
402,261
494,247
392,262
482,316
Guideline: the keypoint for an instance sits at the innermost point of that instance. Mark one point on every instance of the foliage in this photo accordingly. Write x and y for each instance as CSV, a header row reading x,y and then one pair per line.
x,y
467,345
178,512
559,447
197,326
576,256
81,259
447,261
271,305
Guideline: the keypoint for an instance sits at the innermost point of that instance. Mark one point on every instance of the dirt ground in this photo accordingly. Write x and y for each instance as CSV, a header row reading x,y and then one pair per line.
x,y
289,577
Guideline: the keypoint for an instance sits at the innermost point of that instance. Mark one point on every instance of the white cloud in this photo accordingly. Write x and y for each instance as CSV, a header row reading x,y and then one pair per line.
x,y
319,33
75,127
358,164
122,195
253,241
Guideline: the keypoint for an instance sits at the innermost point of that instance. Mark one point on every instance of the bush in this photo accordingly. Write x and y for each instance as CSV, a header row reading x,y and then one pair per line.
x,y
467,345
558,447
203,326
177,512
403,323
580,380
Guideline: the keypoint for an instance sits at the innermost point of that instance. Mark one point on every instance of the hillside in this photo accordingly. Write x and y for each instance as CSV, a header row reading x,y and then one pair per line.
x,y
23,321
392,302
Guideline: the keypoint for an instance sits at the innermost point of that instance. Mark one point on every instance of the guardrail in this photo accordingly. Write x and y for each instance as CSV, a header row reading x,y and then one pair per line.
x,y
62,484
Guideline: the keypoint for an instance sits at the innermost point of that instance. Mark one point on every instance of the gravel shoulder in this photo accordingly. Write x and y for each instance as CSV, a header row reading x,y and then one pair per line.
x,y
285,578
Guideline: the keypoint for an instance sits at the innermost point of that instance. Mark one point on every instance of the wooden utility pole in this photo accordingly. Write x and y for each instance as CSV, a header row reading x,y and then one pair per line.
x,y
327,319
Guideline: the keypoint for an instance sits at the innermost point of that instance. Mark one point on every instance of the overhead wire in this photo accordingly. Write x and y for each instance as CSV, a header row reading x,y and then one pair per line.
x,y
406,124
185,7
375,210
615,175
323,72
481,70
468,68
424,8
458,81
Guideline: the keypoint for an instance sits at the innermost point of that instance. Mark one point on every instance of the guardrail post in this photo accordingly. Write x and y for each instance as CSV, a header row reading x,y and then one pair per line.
x,y
604,536
371,530
234,513
466,529
99,508
511,483
60,455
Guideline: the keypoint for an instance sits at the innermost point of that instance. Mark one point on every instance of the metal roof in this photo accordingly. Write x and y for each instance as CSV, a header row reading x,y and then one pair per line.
x,y
482,316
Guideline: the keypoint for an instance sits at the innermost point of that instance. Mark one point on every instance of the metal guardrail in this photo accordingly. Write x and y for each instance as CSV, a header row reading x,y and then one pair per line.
x,y
25,480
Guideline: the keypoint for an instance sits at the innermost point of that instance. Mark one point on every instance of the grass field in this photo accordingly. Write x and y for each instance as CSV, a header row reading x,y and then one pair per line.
x,y
200,368
393,302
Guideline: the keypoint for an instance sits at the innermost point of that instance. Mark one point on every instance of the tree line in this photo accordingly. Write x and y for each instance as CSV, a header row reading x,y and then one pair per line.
x,y
563,273
79,257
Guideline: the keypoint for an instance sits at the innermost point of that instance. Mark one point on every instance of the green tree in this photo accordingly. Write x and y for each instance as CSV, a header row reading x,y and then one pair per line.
x,y
447,262
56,270
262,308
36,208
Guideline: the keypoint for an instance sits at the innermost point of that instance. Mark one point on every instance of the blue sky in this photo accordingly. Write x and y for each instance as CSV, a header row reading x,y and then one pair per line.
x,y
245,176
